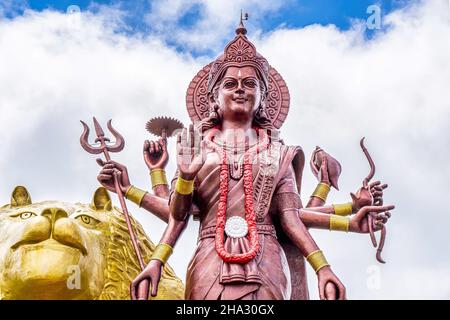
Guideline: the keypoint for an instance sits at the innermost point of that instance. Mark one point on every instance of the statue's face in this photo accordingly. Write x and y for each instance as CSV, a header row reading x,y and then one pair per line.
x,y
239,93
50,250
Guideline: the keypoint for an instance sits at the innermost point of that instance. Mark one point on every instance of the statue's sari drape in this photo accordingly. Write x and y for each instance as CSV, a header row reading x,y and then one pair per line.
x,y
271,274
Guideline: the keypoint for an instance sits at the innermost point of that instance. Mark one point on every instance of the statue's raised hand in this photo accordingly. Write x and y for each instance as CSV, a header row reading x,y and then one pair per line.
x,y
155,154
323,176
191,153
380,214
325,166
106,175
151,273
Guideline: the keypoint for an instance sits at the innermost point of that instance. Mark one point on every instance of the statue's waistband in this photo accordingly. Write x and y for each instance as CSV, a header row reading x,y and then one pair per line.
x,y
210,232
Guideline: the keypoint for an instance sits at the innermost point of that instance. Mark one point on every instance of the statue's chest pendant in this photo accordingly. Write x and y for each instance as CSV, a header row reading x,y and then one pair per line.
x,y
236,167
236,227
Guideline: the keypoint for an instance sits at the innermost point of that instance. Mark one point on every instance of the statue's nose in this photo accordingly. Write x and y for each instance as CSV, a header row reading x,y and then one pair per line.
x,y
54,214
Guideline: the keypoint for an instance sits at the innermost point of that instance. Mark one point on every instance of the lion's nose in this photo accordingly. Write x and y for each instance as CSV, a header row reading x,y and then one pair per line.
x,y
54,214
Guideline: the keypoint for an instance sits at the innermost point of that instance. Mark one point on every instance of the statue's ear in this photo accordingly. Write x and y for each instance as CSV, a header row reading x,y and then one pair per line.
x,y
101,201
211,98
20,197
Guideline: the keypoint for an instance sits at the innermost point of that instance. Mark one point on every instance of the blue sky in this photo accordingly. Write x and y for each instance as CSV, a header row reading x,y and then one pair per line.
x,y
289,14
293,14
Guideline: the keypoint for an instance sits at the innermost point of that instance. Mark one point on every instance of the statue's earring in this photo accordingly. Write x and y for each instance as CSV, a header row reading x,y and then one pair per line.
x,y
261,112
213,110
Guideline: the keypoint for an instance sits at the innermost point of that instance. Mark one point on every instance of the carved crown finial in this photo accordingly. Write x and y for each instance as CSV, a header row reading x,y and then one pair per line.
x,y
240,52
241,28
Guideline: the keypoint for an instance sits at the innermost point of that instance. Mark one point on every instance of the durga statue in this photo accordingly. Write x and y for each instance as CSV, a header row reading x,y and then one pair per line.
x,y
243,184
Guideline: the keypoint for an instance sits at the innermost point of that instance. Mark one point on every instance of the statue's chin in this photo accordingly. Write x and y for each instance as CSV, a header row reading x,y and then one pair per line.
x,y
241,109
45,272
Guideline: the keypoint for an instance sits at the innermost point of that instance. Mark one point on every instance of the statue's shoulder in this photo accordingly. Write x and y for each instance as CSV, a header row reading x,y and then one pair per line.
x,y
293,155
290,154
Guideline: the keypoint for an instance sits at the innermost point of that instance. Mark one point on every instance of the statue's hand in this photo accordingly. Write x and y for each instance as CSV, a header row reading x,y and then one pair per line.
x,y
155,154
380,214
106,175
373,195
333,167
330,287
323,172
191,154
376,190
152,273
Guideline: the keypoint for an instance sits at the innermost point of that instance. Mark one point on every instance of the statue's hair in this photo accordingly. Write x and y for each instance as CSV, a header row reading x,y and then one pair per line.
x,y
214,118
123,266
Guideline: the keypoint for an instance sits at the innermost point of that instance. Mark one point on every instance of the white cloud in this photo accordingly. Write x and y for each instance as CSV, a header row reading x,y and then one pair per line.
x,y
216,22
56,69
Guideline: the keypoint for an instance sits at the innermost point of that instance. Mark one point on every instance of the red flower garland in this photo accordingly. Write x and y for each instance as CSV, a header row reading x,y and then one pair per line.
x,y
250,215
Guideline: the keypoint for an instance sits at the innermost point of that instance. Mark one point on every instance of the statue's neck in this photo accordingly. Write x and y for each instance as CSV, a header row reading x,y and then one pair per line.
x,y
235,126
234,132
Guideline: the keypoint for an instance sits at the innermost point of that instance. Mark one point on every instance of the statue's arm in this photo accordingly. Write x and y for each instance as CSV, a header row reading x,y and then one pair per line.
x,y
320,193
180,203
321,217
287,203
161,191
157,205
327,170
174,229
153,271
179,208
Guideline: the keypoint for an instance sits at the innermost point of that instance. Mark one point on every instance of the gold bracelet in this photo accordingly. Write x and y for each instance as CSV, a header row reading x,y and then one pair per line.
x,y
317,260
135,194
339,223
162,252
184,187
343,209
321,191
158,177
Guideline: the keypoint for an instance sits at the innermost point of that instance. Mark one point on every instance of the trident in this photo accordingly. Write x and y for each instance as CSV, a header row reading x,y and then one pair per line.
x,y
105,148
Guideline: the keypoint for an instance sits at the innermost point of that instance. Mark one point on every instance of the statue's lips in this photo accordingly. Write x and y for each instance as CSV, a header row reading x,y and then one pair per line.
x,y
240,100
49,243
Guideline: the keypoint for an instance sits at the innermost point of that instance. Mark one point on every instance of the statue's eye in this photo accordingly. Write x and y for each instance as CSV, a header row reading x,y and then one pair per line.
x,y
250,83
26,215
87,220
229,84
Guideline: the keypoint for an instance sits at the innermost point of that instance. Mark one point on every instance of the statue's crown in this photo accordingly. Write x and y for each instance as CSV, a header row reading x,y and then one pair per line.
x,y
239,52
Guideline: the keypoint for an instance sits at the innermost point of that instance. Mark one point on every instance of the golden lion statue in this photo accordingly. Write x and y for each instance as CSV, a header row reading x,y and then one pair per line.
x,y
58,250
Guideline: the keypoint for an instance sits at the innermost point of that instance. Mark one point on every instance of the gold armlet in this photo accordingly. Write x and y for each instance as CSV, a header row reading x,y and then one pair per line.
x,y
343,209
162,252
135,194
339,223
184,187
158,177
317,260
321,191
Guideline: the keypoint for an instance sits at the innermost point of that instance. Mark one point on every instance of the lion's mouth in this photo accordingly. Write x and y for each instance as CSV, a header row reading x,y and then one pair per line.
x,y
50,243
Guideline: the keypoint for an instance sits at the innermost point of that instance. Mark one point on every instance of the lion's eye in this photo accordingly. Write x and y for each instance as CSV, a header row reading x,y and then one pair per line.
x,y
26,215
87,220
